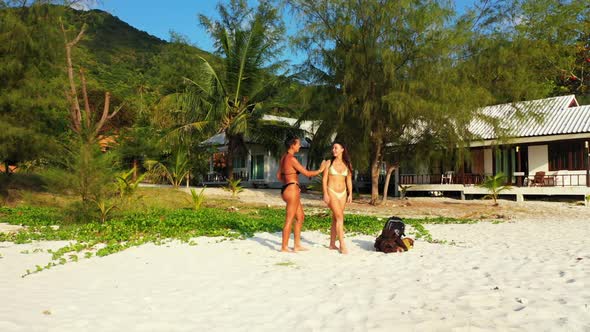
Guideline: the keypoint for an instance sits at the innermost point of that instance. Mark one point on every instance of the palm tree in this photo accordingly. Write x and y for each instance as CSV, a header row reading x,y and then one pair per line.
x,y
231,96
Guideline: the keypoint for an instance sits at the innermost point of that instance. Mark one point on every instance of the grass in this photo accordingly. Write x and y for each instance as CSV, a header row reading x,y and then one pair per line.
x,y
286,263
161,215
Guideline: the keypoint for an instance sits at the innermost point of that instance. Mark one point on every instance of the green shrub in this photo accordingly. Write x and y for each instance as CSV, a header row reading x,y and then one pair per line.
x,y
80,212
83,170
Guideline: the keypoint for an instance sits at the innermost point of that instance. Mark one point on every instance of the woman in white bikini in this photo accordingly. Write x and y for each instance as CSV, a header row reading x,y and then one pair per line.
x,y
337,185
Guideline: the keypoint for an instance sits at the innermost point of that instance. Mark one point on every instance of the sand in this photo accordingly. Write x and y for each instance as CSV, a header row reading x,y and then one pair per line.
x,y
520,275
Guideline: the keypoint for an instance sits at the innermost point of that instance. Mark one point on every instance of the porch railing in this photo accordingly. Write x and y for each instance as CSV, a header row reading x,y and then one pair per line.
x,y
464,179
221,178
361,177
558,180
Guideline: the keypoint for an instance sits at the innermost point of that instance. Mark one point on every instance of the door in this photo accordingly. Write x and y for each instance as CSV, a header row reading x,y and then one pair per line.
x,y
505,162
258,167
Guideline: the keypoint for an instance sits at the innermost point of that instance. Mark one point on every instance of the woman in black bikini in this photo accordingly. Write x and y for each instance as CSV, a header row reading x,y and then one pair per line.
x,y
289,169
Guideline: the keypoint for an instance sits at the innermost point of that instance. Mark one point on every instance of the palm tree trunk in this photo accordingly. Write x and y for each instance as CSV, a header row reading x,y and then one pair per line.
x,y
134,169
390,169
375,171
229,162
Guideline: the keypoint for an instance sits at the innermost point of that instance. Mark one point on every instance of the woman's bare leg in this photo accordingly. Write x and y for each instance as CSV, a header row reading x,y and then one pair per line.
x,y
291,197
299,216
333,234
337,206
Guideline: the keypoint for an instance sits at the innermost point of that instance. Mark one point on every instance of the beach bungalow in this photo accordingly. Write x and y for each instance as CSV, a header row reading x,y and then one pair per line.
x,y
543,150
257,167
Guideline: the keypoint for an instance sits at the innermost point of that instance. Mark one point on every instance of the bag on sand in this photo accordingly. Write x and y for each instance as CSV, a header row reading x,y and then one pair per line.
x,y
390,239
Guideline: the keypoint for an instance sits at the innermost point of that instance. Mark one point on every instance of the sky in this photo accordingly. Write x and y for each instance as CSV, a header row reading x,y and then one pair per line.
x,y
158,18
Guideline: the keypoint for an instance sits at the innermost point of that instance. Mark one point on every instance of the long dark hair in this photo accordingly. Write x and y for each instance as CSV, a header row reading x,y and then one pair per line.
x,y
290,141
345,155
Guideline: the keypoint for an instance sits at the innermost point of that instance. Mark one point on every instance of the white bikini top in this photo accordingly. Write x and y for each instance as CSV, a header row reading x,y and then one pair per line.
x,y
333,171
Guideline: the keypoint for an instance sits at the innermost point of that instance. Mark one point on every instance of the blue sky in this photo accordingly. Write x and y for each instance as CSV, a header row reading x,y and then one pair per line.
x,y
158,18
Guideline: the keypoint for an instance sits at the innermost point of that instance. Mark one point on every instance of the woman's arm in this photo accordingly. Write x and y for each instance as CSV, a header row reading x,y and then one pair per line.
x,y
349,186
325,182
280,170
279,175
298,167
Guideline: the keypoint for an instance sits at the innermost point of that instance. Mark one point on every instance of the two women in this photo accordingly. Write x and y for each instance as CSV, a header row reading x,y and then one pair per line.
x,y
337,188
289,170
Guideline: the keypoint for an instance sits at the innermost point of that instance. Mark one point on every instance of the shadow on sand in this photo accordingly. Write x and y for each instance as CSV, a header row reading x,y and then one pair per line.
x,y
364,244
276,244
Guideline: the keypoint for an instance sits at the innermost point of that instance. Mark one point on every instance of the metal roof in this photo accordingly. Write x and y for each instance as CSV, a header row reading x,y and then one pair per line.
x,y
308,126
550,116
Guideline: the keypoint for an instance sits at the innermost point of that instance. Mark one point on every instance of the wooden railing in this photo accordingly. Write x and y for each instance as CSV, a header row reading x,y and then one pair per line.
x,y
464,179
559,180
221,178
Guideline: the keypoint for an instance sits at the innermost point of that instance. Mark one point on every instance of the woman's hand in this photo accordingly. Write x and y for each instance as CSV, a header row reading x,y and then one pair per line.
x,y
349,198
323,165
327,199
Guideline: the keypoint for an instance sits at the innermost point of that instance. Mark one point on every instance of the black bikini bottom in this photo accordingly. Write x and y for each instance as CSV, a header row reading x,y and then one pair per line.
x,y
288,184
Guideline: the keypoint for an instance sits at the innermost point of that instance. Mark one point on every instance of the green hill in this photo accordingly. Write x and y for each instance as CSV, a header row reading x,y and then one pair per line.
x,y
125,60
136,67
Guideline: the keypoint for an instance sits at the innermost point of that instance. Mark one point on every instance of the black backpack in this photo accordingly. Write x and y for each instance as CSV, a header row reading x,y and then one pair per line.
x,y
391,236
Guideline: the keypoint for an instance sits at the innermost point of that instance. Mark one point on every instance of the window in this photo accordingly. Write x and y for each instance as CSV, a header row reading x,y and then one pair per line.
x,y
239,162
566,156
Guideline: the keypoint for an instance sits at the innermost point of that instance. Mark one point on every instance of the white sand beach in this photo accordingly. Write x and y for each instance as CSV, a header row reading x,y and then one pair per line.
x,y
525,275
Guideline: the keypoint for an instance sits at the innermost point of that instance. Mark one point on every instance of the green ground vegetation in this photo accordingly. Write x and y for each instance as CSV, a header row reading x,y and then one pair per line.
x,y
159,215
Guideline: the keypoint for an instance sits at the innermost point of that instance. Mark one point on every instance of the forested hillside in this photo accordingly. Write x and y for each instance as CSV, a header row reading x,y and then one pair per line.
x,y
116,56
138,69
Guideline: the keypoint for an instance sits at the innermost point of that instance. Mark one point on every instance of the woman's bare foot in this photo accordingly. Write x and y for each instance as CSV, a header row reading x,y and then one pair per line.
x,y
333,247
300,248
343,250
286,250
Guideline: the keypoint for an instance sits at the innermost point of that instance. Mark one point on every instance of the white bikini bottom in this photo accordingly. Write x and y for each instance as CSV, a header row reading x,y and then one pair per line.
x,y
338,194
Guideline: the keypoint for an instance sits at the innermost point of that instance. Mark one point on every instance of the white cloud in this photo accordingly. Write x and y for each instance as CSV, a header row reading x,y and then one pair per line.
x,y
84,4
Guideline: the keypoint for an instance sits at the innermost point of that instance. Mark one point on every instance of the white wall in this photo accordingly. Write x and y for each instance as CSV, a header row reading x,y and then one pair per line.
x,y
538,158
488,162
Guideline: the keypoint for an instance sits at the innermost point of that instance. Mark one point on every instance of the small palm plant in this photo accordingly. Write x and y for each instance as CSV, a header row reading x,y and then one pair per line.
x,y
403,190
495,185
105,207
126,185
174,171
197,199
234,187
